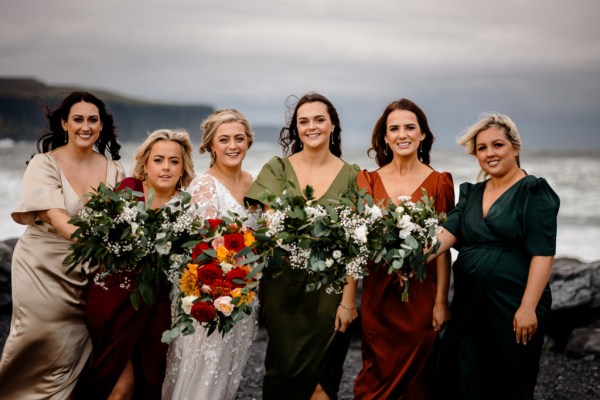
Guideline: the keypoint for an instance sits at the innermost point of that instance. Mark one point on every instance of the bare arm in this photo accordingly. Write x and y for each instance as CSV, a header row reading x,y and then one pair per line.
x,y
441,312
525,321
59,219
447,240
346,311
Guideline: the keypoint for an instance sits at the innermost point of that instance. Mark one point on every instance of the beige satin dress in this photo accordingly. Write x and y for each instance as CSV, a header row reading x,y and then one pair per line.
x,y
48,344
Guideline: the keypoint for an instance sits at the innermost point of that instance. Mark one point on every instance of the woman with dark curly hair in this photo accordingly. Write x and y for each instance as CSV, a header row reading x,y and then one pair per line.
x,y
308,338
49,344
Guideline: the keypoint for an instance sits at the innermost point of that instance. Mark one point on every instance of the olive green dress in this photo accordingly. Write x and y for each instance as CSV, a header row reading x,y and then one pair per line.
x,y
480,358
303,349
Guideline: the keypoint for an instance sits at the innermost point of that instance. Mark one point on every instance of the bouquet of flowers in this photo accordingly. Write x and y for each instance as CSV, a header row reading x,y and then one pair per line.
x,y
129,241
217,283
332,242
410,237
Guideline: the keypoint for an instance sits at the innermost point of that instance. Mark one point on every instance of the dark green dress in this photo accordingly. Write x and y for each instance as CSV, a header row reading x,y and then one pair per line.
x,y
303,348
480,358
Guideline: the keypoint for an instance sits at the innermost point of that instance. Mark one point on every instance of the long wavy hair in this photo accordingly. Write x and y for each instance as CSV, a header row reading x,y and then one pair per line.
x,y
288,136
54,136
378,144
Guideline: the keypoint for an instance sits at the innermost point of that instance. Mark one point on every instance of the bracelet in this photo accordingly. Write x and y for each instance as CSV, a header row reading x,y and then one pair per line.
x,y
347,308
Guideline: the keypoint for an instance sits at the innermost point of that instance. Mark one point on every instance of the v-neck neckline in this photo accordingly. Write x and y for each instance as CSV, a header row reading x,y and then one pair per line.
x,y
297,182
419,187
492,206
62,174
226,188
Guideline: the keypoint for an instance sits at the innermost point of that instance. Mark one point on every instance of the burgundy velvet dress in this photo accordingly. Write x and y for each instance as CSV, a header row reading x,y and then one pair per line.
x,y
398,338
119,333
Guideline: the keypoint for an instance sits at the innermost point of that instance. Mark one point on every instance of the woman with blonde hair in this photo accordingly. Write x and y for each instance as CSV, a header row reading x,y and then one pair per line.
x,y
504,228
129,359
201,366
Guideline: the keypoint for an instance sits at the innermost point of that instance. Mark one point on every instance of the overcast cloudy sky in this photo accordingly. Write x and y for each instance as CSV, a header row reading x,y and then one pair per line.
x,y
536,60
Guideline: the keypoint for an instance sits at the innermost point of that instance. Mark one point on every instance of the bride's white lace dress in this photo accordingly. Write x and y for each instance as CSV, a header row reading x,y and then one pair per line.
x,y
210,367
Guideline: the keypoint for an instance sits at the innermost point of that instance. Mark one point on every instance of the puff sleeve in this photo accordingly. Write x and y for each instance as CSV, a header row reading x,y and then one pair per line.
x,y
444,195
455,217
364,180
540,211
271,178
42,189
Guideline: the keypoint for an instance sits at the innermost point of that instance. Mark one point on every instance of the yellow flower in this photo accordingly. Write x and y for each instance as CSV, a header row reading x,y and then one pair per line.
x,y
249,238
247,299
188,283
224,255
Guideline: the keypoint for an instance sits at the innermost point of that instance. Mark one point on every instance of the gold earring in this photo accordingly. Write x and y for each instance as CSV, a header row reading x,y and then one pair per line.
x,y
66,137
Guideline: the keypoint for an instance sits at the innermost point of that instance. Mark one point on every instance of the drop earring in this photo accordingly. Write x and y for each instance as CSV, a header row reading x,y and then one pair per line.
x,y
385,149
331,135
66,137
420,151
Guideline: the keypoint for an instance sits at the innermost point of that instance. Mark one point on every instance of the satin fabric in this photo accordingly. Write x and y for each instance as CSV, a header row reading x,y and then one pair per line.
x,y
398,339
48,344
303,348
120,333
479,356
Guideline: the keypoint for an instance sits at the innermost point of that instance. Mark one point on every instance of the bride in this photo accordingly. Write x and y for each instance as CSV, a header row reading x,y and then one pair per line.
x,y
201,366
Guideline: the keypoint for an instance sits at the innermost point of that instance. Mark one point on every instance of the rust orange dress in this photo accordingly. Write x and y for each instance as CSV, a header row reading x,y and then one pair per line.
x,y
398,338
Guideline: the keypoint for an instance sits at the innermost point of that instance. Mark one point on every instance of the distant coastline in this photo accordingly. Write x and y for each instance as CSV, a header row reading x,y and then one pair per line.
x,y
22,101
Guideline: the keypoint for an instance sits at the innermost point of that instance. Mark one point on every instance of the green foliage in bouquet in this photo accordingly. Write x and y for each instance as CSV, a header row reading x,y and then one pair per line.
x,y
121,235
410,237
331,242
216,280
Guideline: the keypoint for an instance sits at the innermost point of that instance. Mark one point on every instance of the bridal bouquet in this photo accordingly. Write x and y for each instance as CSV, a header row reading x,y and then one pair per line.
x,y
331,242
218,284
410,237
127,240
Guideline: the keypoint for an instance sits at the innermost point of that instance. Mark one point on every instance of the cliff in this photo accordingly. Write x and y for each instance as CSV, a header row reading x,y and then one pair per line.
x,y
22,102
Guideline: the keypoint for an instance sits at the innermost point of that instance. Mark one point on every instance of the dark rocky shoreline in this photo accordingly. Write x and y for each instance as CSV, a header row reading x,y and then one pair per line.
x,y
560,377
569,367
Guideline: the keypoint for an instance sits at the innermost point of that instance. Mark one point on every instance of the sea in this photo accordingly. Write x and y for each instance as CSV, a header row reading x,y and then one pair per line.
x,y
575,176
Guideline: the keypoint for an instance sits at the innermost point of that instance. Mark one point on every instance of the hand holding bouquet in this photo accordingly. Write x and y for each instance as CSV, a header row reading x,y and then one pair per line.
x,y
410,237
332,242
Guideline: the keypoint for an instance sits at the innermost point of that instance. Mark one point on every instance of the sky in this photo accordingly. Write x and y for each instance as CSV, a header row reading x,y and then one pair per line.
x,y
536,60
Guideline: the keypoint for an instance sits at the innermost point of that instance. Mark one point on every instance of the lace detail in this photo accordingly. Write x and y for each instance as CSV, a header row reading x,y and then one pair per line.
x,y
210,367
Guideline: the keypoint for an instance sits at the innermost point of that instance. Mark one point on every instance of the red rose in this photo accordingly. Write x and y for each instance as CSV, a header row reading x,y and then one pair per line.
x,y
198,250
236,273
220,287
214,223
234,242
203,311
208,273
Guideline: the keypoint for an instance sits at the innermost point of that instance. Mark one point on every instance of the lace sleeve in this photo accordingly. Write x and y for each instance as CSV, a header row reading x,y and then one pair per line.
x,y
204,196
